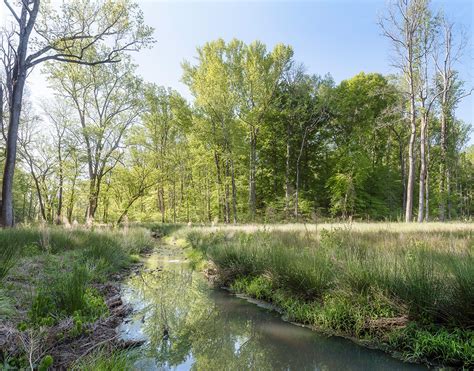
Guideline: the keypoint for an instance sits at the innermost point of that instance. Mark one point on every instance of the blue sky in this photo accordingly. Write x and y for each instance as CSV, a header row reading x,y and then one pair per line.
x,y
335,36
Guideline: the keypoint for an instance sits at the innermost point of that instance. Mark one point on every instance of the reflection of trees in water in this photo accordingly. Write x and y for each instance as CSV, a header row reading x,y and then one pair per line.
x,y
222,332
181,319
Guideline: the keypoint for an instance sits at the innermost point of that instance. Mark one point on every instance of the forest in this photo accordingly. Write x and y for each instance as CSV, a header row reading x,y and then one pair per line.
x,y
263,139
270,218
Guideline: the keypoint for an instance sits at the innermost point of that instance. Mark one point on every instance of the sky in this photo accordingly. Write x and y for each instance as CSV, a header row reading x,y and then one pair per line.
x,y
340,37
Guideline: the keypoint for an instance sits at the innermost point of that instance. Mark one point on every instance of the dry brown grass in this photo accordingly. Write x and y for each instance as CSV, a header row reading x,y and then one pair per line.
x,y
355,227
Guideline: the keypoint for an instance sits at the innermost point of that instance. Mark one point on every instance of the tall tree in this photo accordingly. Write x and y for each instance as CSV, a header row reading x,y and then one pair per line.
x,y
257,73
66,34
448,52
402,26
107,101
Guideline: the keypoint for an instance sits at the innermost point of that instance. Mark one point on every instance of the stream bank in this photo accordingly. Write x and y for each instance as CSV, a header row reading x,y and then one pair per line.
x,y
185,323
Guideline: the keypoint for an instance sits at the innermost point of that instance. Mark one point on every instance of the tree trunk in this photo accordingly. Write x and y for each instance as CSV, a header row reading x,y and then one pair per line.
x,y
93,199
40,197
161,202
70,208
227,193
61,187
6,215
252,174
443,159
208,200
411,153
427,181
298,161
220,204
448,191
421,197
18,79
174,200
234,191
287,171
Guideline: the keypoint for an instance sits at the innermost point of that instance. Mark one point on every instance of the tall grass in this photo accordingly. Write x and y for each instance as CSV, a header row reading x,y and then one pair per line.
x,y
429,277
359,283
63,262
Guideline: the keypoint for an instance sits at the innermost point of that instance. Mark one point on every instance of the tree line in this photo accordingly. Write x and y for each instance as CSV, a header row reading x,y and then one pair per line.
x,y
261,140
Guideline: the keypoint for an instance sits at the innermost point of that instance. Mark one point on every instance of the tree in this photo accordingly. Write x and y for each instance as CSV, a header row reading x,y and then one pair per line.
x,y
362,180
107,101
65,35
402,26
427,98
256,75
450,92
303,107
162,135
210,81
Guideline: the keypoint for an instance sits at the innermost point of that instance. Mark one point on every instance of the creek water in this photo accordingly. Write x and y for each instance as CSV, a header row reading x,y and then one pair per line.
x,y
185,324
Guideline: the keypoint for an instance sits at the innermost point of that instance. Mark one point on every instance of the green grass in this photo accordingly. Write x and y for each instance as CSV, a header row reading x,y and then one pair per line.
x,y
67,294
358,283
47,273
103,360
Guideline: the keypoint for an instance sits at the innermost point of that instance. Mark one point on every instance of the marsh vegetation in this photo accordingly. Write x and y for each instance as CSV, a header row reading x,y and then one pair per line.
x,y
409,292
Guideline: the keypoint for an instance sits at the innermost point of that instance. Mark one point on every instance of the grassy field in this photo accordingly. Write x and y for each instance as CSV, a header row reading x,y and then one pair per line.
x,y
355,227
403,287
49,285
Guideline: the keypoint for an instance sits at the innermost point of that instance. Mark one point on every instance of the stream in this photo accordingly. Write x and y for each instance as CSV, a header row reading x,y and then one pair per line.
x,y
185,324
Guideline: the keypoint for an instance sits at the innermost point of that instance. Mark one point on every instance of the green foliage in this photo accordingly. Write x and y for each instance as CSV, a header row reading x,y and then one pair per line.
x,y
6,306
46,363
442,345
12,243
65,295
103,360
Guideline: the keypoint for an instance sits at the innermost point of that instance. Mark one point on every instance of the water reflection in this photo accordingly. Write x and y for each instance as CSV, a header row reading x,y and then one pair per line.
x,y
187,325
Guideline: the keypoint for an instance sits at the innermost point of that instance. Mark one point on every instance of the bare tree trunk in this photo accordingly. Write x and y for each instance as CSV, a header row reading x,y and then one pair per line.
x,y
411,152
403,25
421,197
61,186
443,160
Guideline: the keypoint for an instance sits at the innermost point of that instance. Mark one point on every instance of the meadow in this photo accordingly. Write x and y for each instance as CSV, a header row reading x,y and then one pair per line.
x,y
404,288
